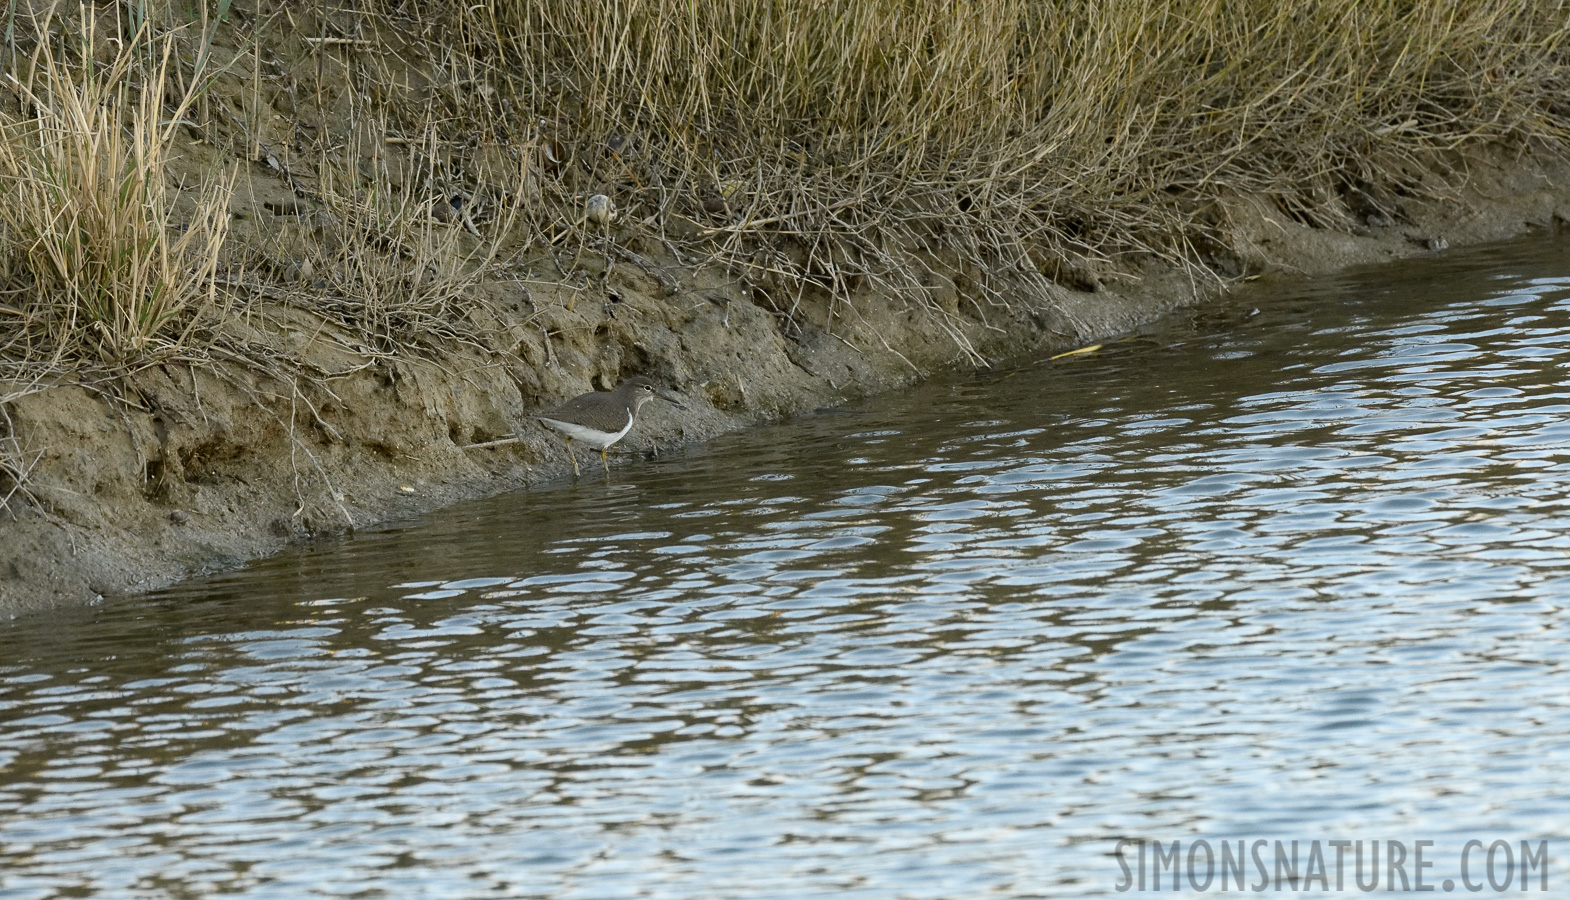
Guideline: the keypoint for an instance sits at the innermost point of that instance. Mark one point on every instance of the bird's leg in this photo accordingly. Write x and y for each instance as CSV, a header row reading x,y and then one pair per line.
x,y
574,457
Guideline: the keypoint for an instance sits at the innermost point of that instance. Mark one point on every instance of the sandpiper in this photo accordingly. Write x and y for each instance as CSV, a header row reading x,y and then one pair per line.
x,y
601,418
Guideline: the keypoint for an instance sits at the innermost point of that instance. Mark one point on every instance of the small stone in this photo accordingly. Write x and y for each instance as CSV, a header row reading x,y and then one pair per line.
x,y
405,489
179,517
601,210
1436,244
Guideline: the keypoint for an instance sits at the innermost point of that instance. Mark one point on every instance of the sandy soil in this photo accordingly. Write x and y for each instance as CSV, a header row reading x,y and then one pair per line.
x,y
179,469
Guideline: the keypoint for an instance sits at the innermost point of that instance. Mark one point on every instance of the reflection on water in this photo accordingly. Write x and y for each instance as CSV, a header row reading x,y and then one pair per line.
x,y
1299,573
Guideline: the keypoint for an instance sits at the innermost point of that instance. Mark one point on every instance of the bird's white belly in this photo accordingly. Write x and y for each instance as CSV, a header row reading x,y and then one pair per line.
x,y
599,440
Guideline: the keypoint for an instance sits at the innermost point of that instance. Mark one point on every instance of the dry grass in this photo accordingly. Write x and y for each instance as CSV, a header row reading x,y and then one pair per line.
x,y
816,149
391,252
93,252
1024,134
16,461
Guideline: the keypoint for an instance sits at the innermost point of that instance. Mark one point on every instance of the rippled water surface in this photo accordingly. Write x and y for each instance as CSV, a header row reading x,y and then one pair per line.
x,y
1299,573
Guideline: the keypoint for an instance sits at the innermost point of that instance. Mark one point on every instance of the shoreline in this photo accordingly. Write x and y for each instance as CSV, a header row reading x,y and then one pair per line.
x,y
183,468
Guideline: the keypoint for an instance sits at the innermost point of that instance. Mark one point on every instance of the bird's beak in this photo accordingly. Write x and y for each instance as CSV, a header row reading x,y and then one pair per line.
x,y
668,399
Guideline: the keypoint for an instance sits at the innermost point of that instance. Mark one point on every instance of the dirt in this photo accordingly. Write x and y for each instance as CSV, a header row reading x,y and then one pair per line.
x,y
178,469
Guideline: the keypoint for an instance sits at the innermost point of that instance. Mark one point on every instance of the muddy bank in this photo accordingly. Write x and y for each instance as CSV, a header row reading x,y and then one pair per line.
x,y
179,468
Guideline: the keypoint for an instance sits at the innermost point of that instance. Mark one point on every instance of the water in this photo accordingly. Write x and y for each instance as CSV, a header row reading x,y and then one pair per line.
x,y
1293,574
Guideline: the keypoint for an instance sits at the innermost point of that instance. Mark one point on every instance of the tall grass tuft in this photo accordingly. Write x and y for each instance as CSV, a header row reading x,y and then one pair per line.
x,y
96,249
816,147
1018,131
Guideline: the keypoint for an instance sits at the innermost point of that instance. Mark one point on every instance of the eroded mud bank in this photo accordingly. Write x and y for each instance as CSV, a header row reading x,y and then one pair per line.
x,y
177,469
